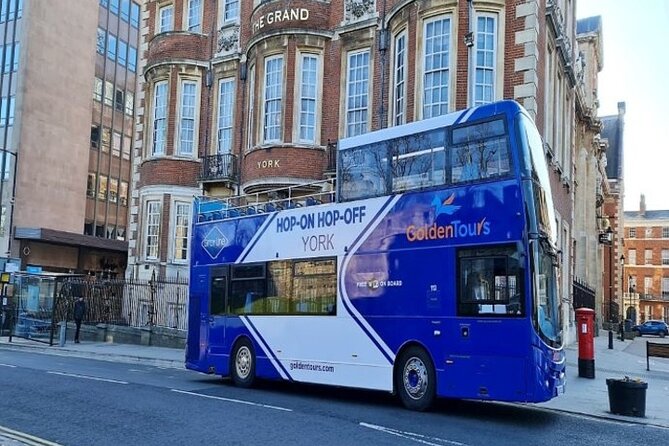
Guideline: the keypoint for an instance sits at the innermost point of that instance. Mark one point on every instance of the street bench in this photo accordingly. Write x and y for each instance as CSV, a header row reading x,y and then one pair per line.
x,y
657,350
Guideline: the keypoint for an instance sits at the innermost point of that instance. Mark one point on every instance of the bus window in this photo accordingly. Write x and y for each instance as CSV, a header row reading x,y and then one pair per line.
x,y
247,289
217,299
479,151
315,286
490,282
418,161
364,172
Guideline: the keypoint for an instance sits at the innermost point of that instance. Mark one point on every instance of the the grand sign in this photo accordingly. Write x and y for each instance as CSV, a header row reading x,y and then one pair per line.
x,y
281,15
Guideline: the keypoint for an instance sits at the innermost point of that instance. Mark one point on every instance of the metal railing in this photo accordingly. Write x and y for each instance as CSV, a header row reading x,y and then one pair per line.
x,y
584,295
220,167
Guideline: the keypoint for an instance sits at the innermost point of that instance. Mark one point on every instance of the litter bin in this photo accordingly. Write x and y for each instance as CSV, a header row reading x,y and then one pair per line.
x,y
627,396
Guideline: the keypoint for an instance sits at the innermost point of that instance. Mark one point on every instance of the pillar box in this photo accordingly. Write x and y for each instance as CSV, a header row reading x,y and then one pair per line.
x,y
585,319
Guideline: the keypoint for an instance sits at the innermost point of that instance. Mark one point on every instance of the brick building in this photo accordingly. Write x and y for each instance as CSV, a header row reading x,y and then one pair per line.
x,y
242,97
68,84
646,274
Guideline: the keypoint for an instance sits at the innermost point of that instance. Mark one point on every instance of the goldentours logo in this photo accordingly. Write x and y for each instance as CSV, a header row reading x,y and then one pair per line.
x,y
214,242
451,230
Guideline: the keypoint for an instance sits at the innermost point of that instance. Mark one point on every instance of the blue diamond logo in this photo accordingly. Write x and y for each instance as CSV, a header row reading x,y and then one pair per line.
x,y
214,242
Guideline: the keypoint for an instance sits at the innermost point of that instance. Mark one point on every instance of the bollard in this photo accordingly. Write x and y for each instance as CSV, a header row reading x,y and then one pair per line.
x,y
61,337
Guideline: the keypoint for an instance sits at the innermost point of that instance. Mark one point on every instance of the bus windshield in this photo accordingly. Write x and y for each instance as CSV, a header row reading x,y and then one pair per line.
x,y
547,309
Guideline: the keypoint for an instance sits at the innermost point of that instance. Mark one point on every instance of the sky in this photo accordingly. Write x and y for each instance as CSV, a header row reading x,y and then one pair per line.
x,y
636,71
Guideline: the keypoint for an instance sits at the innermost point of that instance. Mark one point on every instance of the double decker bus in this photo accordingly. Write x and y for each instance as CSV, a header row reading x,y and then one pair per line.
x,y
429,271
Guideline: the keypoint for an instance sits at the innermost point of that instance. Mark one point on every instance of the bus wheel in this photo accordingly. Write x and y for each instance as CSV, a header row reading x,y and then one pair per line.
x,y
415,379
243,364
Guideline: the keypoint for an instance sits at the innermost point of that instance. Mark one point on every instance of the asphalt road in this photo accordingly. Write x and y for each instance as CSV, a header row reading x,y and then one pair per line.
x,y
74,401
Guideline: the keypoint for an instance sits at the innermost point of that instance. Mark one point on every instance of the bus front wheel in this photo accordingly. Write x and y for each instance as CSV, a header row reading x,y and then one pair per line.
x,y
243,364
415,379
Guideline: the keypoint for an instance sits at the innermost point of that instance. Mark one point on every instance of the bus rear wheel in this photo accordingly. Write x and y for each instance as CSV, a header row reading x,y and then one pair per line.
x,y
415,379
243,368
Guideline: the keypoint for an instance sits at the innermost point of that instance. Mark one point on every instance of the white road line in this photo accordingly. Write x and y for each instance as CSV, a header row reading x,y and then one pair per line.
x,y
94,378
8,365
418,438
232,400
24,438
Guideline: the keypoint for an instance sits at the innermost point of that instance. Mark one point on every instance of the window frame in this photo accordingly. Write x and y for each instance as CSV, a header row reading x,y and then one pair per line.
x,y
152,241
359,126
475,101
187,82
111,46
268,136
192,15
159,147
301,112
162,10
225,116
400,56
444,104
227,19
178,215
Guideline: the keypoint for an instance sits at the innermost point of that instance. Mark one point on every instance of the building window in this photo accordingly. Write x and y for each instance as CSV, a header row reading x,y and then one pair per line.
x,y
134,14
273,99
159,119
252,99
100,46
129,103
97,89
124,193
122,53
399,82
166,15
182,220
357,93
119,100
15,11
187,118
126,147
665,287
95,136
11,55
102,188
194,16
231,10
116,144
632,233
648,256
665,256
90,186
152,235
111,46
3,220
647,285
113,6
7,111
665,232
631,254
109,93
226,93
5,158
649,232
308,98
486,38
125,10
113,190
132,58
436,67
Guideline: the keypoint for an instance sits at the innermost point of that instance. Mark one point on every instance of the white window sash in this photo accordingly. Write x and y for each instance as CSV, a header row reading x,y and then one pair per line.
x,y
187,113
166,17
181,232
194,13
357,93
309,76
436,66
273,99
226,92
152,232
159,119
399,81
485,59
231,10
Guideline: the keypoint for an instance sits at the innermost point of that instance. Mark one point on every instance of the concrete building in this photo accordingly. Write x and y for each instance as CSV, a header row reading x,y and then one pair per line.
x,y
590,174
242,97
68,83
646,273
612,255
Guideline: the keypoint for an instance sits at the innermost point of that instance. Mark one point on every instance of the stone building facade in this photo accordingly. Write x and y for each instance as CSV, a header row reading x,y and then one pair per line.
x,y
242,97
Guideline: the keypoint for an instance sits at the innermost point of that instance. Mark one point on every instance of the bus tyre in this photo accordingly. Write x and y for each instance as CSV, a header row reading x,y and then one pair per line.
x,y
415,379
243,368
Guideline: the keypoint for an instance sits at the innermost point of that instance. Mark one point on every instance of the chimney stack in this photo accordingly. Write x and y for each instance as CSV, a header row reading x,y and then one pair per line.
x,y
642,206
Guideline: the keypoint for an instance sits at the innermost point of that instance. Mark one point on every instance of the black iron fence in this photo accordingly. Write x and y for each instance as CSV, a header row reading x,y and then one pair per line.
x,y
584,295
160,302
221,167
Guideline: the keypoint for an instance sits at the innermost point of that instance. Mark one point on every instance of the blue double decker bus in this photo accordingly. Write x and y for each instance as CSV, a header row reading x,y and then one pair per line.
x,y
429,271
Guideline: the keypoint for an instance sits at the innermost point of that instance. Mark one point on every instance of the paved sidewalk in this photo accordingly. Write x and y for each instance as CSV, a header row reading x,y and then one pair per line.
x,y
590,396
582,395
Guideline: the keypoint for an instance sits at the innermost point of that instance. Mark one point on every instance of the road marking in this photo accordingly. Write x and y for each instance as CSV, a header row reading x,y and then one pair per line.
x,y
232,400
25,438
8,365
94,378
418,438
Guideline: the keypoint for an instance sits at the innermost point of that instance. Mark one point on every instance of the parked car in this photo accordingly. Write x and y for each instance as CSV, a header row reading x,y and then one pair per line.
x,y
659,328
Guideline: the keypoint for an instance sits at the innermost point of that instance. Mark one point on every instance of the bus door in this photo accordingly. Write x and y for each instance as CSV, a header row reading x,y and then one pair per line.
x,y
218,303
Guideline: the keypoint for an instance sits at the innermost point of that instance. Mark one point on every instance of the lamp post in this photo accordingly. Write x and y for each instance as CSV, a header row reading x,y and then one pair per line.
x,y
622,297
609,241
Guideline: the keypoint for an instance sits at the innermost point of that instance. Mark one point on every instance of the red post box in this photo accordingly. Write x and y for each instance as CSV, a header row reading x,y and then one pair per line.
x,y
585,320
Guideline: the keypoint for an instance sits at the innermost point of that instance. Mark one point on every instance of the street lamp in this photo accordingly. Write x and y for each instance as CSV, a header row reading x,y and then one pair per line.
x,y
622,297
609,241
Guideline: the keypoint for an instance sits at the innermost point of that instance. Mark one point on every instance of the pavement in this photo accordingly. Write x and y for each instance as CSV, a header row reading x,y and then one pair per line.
x,y
582,396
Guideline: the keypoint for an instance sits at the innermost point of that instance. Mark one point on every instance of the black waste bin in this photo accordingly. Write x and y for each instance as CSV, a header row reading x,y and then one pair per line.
x,y
627,396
